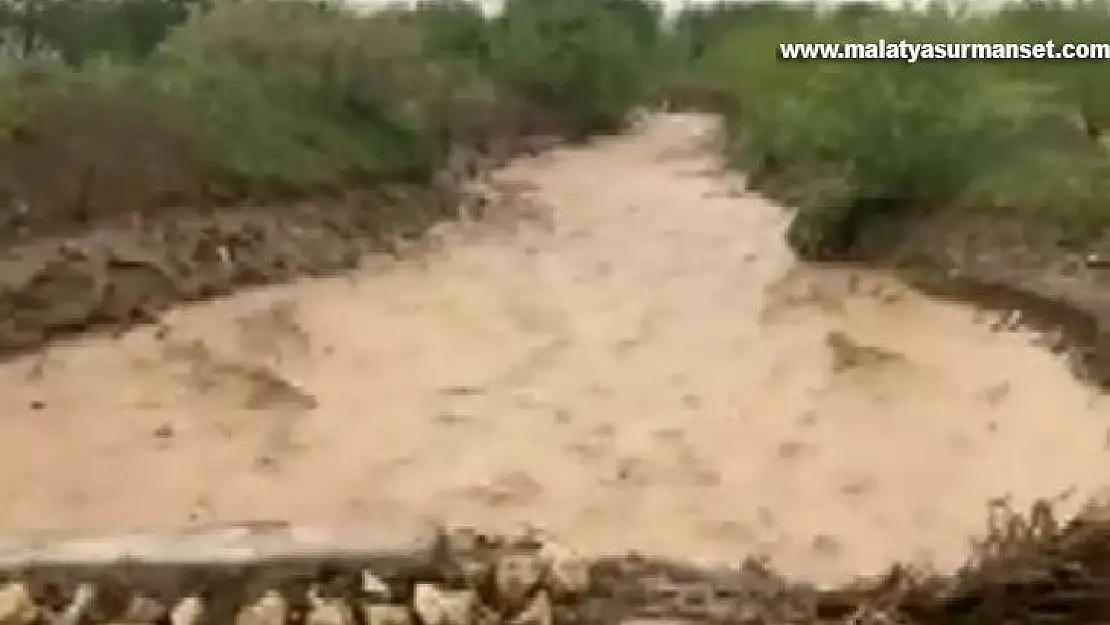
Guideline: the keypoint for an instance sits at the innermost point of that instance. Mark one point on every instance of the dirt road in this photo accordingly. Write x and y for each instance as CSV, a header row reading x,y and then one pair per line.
x,y
638,365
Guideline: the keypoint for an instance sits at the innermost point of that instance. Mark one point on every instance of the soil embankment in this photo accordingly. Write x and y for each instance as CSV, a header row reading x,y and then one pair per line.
x,y
627,354
109,223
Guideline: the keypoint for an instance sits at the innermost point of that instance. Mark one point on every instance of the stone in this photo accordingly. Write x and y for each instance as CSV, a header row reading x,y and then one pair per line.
x,y
16,605
537,612
385,614
83,598
373,586
143,609
270,609
569,571
328,611
188,611
444,607
516,574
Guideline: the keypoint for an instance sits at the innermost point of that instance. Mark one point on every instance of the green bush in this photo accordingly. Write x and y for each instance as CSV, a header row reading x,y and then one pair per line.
x,y
291,96
577,58
859,144
287,97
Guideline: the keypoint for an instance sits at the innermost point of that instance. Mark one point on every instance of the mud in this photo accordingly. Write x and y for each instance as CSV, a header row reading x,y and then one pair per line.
x,y
115,278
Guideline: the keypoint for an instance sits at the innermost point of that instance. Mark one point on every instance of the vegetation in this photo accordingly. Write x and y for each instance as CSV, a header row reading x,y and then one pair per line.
x,y
292,98
859,145
297,97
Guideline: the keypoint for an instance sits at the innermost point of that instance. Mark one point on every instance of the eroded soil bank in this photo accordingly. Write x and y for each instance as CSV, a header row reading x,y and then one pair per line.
x,y
626,353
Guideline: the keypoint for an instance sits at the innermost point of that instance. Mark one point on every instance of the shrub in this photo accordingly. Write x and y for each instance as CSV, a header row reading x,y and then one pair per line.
x,y
288,95
294,96
873,142
576,58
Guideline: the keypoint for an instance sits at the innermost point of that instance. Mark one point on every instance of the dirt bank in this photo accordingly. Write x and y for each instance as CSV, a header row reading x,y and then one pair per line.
x,y
631,341
120,274
110,223
1018,272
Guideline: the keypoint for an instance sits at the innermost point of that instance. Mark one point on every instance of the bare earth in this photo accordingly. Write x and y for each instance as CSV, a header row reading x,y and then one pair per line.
x,y
636,363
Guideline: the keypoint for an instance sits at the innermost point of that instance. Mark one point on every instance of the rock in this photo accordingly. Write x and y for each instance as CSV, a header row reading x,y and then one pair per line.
x,y
569,570
444,607
373,586
83,598
1096,260
270,609
516,574
188,611
473,554
328,611
474,570
144,610
385,614
537,612
16,605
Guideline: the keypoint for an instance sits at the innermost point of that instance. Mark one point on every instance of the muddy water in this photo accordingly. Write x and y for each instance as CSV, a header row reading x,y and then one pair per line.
x,y
632,360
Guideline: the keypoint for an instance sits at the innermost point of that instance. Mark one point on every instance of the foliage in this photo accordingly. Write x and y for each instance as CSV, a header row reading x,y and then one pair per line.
x,y
582,58
82,30
296,97
860,143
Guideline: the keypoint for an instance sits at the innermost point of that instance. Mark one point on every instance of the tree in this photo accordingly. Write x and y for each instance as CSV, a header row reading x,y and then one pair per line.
x,y
79,30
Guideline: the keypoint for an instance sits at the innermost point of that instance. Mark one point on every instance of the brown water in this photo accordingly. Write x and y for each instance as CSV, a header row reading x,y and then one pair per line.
x,y
636,363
